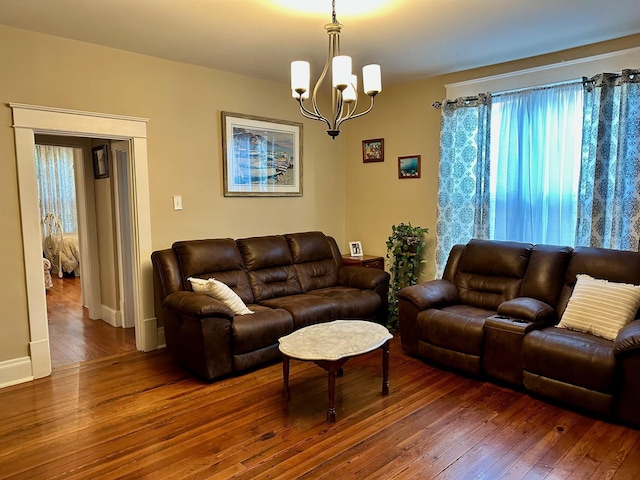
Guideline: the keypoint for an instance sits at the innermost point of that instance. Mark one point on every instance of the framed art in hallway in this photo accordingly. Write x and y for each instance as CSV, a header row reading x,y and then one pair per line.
x,y
373,150
100,161
409,166
261,156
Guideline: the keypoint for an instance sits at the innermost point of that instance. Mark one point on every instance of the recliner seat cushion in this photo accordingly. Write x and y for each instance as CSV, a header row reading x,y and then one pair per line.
x,y
261,329
459,328
353,302
572,357
307,309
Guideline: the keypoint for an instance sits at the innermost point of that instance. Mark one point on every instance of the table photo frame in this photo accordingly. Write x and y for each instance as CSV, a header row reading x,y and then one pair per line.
x,y
355,249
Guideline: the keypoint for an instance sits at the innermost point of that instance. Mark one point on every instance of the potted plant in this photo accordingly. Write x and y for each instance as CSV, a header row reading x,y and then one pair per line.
x,y
405,249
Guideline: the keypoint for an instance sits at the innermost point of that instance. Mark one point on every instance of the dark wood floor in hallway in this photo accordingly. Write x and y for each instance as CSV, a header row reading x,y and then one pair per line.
x,y
138,415
74,337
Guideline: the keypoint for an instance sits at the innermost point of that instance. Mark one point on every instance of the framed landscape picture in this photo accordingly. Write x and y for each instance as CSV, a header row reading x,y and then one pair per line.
x,y
409,167
261,156
373,150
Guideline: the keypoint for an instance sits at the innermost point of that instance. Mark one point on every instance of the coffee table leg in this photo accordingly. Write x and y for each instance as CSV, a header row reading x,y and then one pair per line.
x,y
286,394
385,368
331,411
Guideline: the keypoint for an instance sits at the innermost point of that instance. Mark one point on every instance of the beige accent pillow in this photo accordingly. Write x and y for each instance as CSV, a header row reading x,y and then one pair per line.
x,y
600,307
220,291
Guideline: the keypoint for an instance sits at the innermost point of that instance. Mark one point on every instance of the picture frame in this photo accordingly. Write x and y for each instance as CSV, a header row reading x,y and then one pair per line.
x,y
261,157
409,166
100,156
355,249
373,150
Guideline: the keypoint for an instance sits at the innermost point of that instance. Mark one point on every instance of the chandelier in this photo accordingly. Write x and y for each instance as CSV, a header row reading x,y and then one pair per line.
x,y
344,87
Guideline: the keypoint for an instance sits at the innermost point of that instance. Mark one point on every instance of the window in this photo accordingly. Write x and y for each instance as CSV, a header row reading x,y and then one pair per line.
x,y
56,184
535,158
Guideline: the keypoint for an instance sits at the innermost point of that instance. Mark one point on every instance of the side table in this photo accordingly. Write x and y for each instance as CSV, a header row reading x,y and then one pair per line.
x,y
370,261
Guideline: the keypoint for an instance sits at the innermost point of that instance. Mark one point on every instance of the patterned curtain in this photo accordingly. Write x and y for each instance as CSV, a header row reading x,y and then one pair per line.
x,y
463,175
609,193
56,184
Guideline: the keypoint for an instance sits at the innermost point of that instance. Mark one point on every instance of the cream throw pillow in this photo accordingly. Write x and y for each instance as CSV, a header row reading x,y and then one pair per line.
x,y
220,291
600,307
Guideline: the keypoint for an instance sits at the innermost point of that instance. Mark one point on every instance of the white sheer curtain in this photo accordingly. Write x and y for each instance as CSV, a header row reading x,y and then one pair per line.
x,y
535,164
56,184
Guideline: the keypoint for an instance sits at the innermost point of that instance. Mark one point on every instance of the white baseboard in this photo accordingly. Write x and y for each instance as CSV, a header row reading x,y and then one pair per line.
x,y
111,316
14,371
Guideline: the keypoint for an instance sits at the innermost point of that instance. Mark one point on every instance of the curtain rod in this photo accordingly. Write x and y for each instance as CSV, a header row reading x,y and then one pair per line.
x,y
438,104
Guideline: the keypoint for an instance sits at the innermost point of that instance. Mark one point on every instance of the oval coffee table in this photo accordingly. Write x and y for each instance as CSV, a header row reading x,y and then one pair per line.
x,y
329,345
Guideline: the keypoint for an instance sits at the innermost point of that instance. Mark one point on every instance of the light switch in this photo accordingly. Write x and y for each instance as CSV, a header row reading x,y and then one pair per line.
x,y
177,202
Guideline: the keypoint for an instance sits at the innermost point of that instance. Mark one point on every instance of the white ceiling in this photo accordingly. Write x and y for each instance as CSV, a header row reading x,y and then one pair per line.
x,y
410,39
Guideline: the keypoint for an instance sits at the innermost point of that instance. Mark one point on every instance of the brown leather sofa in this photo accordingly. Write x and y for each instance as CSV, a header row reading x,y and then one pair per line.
x,y
288,281
494,313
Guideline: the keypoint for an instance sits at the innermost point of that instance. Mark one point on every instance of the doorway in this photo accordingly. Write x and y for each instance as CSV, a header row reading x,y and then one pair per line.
x,y
83,323
30,120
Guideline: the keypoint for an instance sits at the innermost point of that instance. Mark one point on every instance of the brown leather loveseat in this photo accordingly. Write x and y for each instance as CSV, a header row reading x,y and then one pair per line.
x,y
496,311
287,281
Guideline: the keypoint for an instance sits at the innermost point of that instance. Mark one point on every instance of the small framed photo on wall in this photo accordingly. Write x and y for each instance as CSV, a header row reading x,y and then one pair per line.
x,y
100,161
373,150
355,249
409,167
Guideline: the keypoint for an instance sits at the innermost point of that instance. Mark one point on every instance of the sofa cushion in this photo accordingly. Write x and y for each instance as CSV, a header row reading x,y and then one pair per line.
x,y
269,267
313,260
353,302
260,330
571,357
459,328
219,258
600,307
307,309
220,291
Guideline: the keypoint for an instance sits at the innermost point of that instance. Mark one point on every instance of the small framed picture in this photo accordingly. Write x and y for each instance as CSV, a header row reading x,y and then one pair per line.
x,y
373,150
100,161
355,249
409,167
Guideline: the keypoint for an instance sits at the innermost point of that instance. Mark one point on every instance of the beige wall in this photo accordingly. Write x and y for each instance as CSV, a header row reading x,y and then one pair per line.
x,y
183,104
404,117
342,196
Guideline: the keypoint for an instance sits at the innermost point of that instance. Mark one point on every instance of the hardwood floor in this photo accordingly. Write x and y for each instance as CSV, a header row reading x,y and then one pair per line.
x,y
74,337
138,415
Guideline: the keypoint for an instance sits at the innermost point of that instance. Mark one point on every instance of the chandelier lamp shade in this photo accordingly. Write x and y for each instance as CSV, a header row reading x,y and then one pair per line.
x,y
344,85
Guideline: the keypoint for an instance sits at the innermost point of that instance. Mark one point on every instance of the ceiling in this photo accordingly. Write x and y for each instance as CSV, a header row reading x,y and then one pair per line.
x,y
410,39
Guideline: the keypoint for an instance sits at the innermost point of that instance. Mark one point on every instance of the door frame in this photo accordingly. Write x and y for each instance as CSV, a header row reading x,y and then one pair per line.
x,y
120,155
29,120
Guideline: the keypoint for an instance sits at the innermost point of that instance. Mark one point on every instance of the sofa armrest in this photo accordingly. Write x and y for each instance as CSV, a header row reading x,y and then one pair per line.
x,y
362,277
628,338
416,299
432,294
196,305
529,309
626,349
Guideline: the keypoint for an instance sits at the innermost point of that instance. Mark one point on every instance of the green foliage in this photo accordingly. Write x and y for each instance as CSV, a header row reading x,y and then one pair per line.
x,y
405,249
